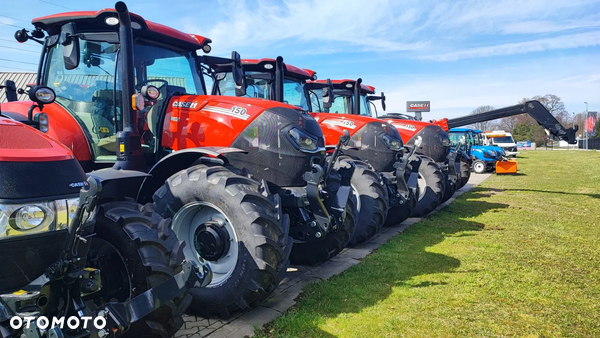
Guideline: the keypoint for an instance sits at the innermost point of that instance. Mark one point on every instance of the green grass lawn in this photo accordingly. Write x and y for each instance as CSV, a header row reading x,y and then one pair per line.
x,y
518,256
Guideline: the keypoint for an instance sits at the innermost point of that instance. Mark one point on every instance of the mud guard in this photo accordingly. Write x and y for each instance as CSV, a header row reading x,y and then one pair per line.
x,y
177,161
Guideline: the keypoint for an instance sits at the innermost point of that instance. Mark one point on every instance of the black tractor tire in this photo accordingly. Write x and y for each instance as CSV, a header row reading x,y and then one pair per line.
x,y
313,252
431,187
449,189
465,174
256,228
372,200
399,214
479,167
135,250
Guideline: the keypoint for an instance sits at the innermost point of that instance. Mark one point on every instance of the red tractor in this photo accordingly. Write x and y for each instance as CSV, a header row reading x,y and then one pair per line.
x,y
74,247
133,87
380,179
353,98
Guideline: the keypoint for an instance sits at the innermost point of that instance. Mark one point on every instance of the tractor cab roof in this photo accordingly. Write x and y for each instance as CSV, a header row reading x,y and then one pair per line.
x,y
265,64
347,84
98,21
460,130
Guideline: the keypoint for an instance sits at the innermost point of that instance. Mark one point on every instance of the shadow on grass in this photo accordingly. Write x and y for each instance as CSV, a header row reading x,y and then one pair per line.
x,y
514,174
394,264
557,192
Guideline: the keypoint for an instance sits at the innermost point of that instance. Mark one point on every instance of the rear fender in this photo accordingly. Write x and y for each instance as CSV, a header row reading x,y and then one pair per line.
x,y
177,161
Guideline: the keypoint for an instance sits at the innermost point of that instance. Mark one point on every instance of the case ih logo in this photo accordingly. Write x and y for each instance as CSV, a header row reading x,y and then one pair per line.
x,y
341,123
417,106
190,105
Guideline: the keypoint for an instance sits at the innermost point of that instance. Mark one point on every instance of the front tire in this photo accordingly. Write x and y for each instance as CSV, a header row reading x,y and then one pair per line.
x,y
371,201
313,252
449,189
465,173
135,250
431,187
229,220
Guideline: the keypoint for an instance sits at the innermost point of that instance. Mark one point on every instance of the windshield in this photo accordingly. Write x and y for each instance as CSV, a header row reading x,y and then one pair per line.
x,y
470,139
260,85
88,92
365,107
505,139
343,102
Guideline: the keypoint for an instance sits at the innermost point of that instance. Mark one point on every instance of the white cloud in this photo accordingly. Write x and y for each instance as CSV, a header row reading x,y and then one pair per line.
x,y
453,96
351,22
410,28
538,45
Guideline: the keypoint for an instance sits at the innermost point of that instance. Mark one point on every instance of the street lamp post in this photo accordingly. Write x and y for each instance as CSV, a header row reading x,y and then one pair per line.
x,y
585,126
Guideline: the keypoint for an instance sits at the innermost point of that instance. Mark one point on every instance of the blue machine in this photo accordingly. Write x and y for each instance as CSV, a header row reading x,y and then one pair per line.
x,y
484,157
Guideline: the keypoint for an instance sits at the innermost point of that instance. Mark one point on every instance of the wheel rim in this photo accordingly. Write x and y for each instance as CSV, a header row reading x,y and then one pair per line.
x,y
209,236
422,183
479,167
357,197
116,284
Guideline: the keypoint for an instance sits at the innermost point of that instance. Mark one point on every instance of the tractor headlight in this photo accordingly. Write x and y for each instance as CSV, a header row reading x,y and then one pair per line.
x,y
392,142
303,141
32,218
445,140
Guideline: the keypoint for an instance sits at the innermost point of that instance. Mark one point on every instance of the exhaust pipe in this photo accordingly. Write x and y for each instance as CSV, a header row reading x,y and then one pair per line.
x,y
129,145
357,97
279,75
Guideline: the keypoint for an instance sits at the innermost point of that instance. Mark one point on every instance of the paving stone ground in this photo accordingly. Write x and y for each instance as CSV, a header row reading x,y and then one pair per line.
x,y
242,324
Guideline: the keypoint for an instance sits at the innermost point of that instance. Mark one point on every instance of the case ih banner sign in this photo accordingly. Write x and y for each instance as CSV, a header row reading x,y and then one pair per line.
x,y
417,106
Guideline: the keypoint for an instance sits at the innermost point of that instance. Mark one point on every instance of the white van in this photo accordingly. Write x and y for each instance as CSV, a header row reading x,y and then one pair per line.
x,y
503,140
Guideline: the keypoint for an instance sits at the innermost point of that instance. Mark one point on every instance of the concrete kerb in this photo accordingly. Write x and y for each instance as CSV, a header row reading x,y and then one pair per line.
x,y
242,324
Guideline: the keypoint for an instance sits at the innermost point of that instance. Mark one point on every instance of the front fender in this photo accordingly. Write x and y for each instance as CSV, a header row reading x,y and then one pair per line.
x,y
175,162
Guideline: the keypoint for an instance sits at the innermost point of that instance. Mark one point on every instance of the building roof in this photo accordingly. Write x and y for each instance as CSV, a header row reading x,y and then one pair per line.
x,y
21,80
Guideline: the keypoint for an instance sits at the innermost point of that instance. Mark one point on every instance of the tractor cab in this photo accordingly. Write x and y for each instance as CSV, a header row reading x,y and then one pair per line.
x,y
345,98
260,77
82,64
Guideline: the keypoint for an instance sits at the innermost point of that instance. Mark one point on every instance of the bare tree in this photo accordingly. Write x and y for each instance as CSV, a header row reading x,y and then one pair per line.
x,y
486,125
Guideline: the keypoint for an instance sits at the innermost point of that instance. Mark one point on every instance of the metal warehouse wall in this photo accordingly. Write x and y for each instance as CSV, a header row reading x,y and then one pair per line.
x,y
21,80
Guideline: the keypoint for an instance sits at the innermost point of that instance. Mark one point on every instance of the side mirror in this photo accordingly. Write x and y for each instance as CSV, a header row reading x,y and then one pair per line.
x,y
345,139
383,101
70,43
328,96
11,90
237,71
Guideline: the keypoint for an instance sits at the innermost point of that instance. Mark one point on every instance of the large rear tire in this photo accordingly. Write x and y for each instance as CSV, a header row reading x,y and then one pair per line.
x,y
465,173
310,253
135,250
371,201
231,221
431,187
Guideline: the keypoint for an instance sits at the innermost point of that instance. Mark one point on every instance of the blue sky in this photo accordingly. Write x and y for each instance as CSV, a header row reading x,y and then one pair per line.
x,y
458,54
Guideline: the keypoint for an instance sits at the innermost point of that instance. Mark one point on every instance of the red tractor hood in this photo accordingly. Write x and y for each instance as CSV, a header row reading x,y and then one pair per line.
x,y
21,143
